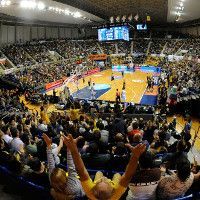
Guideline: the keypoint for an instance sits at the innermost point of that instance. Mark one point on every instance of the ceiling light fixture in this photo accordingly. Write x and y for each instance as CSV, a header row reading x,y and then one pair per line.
x,y
41,5
32,4
23,4
178,13
77,14
66,12
5,3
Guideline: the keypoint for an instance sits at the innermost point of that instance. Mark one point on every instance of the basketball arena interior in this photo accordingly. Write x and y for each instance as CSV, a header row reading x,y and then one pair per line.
x,y
99,99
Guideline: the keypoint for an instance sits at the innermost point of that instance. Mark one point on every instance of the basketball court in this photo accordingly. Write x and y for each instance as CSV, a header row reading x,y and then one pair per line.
x,y
105,89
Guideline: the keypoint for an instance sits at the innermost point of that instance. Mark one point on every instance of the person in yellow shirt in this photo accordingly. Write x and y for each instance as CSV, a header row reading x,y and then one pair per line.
x,y
74,116
43,114
103,188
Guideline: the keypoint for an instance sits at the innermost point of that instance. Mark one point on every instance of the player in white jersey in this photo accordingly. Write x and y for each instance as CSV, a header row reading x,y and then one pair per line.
x,y
123,95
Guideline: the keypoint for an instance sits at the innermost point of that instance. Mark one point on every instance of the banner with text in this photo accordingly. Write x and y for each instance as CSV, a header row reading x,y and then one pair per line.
x,y
98,57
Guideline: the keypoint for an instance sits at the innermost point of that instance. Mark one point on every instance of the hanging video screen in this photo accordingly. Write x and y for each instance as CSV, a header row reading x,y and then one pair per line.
x,y
113,33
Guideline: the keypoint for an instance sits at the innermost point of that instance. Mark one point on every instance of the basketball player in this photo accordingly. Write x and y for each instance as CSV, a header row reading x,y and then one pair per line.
x,y
148,83
112,77
123,95
89,82
124,85
118,99
123,74
92,92
152,84
66,92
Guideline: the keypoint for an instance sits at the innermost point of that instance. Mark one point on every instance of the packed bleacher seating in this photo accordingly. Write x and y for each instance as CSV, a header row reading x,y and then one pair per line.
x,y
124,47
143,34
170,46
90,47
184,85
44,74
157,46
29,54
36,78
192,46
139,60
153,60
18,55
178,45
39,52
140,46
108,48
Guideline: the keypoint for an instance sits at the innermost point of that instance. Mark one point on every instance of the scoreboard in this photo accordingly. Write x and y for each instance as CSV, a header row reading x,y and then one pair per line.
x,y
113,33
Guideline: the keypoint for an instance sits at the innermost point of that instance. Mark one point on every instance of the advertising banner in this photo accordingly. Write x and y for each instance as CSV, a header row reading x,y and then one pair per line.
x,y
98,57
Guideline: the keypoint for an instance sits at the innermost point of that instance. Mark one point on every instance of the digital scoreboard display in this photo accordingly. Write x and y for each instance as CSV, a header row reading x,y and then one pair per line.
x,y
113,33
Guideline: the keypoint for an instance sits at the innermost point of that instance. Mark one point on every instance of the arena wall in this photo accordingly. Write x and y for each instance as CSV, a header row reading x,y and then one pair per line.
x,y
10,34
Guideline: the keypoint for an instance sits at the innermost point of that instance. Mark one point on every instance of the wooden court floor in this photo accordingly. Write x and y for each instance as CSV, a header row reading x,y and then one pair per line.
x,y
136,83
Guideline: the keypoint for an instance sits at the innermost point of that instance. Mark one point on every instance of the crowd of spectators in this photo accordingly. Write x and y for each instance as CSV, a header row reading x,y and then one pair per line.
x,y
192,46
157,46
142,34
108,47
18,55
179,84
139,60
140,46
102,143
43,74
170,46
153,61
177,46
38,52
71,50
124,47
158,34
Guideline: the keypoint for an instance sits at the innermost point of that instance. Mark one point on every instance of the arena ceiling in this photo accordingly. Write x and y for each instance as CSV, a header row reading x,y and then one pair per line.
x,y
161,11
52,11
190,12
157,9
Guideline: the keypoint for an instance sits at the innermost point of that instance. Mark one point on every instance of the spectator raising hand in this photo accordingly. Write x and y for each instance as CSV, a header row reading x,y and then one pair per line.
x,y
138,150
104,188
47,140
70,142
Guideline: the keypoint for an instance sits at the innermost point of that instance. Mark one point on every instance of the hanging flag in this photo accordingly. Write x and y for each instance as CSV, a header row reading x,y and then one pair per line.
x,y
118,18
112,20
130,17
124,18
148,18
136,17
